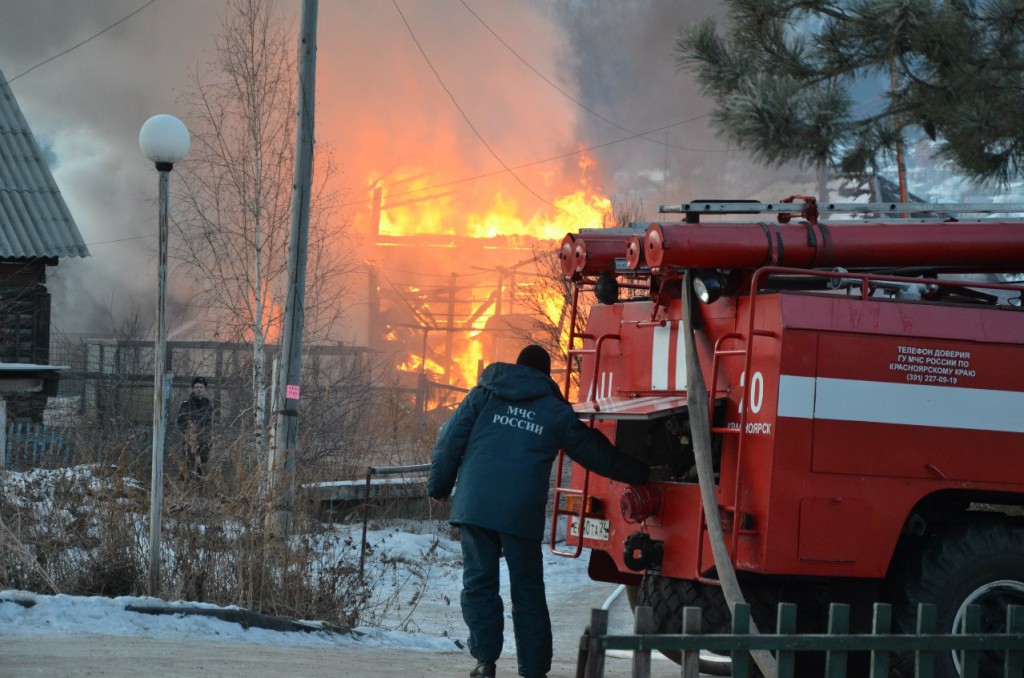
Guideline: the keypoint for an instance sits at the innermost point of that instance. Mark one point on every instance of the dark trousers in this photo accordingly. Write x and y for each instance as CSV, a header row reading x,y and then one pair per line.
x,y
197,454
481,598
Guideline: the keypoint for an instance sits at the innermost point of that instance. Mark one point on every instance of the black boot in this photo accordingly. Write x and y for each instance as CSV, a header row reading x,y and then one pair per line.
x,y
483,670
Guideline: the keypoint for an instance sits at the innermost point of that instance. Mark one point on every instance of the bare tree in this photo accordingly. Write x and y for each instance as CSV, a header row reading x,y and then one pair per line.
x,y
237,191
548,296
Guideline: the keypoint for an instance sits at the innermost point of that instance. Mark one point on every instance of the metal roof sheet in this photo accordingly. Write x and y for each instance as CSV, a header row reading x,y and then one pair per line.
x,y
34,221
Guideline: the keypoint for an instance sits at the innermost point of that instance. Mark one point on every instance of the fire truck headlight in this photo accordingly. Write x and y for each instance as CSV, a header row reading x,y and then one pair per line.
x,y
708,286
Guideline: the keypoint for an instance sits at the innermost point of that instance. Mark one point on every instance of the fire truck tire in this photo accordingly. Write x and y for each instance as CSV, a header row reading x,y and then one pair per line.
x,y
667,597
979,565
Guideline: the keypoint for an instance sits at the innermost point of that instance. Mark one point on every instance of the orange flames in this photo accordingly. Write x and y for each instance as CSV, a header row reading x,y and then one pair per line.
x,y
496,249
468,361
416,363
576,210
270,322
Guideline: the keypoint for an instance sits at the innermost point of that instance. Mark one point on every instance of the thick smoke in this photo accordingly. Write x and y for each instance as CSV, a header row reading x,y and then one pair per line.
x,y
380,108
631,77
85,109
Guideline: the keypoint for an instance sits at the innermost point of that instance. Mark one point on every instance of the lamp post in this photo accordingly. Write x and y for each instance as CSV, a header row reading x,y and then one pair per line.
x,y
165,140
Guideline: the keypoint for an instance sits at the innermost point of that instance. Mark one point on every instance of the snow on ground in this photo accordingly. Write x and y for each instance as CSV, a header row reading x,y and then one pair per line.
x,y
61,615
416,607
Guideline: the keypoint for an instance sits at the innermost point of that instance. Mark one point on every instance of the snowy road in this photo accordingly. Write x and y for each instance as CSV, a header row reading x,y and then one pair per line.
x,y
165,656
93,636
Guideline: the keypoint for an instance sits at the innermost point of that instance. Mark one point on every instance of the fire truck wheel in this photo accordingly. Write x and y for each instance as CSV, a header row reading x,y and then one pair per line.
x,y
667,597
980,565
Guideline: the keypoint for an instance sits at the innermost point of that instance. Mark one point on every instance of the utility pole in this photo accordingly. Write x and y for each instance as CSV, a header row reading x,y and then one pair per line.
x,y
286,399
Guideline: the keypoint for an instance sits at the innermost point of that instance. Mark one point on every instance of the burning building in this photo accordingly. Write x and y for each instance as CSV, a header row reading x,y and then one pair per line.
x,y
451,291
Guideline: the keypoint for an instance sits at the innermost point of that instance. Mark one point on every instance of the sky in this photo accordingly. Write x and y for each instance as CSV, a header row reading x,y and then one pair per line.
x,y
415,93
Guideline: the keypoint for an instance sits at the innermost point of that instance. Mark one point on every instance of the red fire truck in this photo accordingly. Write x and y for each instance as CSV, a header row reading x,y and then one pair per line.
x,y
864,408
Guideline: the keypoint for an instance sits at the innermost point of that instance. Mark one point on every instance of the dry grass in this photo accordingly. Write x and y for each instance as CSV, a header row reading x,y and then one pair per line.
x,y
85,530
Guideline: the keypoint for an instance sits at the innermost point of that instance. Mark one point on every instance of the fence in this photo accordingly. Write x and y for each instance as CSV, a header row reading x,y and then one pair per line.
x,y
28,446
370,472
837,644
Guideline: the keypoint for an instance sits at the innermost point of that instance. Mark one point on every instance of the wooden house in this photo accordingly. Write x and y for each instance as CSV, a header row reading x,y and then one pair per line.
x,y
36,230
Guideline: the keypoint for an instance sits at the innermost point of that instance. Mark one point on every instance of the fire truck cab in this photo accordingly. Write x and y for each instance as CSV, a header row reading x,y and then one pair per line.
x,y
865,400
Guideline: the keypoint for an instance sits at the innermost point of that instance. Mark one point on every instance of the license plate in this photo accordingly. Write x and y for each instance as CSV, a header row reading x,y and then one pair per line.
x,y
593,528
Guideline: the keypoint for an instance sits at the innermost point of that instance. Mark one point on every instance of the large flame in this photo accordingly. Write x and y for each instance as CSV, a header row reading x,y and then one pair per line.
x,y
495,248
579,209
416,363
468,361
269,324
416,206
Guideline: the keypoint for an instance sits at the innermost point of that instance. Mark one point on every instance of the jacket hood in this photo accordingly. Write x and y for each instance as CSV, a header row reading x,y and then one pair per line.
x,y
517,382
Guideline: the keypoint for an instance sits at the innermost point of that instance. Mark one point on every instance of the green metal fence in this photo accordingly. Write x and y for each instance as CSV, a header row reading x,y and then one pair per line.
x,y
926,645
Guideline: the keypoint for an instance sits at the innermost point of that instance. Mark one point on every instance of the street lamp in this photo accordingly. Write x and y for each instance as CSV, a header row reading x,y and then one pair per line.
x,y
165,140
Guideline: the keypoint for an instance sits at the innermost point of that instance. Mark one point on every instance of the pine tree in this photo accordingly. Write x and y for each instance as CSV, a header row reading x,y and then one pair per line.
x,y
832,83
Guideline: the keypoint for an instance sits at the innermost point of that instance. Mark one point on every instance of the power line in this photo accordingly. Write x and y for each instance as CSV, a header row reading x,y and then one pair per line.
x,y
506,168
562,156
67,51
74,47
131,237
469,122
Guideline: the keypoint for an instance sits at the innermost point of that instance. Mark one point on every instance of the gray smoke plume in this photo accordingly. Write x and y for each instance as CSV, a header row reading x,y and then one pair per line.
x,y
381,108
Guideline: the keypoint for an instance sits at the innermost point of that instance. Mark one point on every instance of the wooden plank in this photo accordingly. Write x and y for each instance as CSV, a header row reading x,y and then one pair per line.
x,y
355,490
924,660
643,622
595,655
969,658
838,625
1014,665
691,658
786,626
881,623
582,654
741,627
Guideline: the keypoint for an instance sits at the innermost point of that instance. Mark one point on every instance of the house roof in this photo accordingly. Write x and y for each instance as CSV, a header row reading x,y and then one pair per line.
x,y
34,221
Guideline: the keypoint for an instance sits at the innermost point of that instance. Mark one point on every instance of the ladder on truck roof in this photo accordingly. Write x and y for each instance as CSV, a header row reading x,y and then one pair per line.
x,y
786,207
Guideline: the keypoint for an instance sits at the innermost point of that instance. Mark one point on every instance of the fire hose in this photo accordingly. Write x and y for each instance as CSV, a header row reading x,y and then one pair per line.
x,y
700,429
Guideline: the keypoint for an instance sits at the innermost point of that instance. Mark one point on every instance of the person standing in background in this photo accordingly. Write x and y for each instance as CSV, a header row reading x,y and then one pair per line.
x,y
195,421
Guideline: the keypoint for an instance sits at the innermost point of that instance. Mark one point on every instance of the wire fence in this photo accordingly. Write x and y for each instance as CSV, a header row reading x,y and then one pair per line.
x,y
26,446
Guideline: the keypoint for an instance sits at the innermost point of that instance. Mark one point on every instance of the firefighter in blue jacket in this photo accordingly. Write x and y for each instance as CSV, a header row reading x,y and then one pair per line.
x,y
500,444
